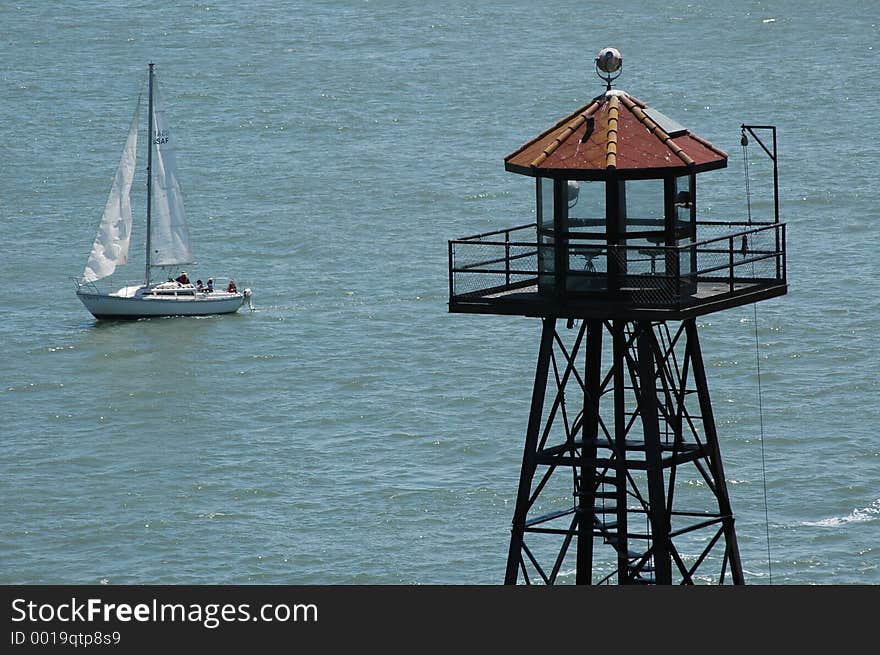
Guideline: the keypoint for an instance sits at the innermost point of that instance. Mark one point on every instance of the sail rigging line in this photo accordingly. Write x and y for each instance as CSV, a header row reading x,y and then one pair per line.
x,y
745,146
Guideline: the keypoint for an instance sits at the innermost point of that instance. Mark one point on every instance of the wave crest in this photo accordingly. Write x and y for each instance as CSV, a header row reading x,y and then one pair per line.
x,y
858,515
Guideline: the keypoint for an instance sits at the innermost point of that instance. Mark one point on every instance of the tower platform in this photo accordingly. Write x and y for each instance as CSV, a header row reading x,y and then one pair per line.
x,y
496,273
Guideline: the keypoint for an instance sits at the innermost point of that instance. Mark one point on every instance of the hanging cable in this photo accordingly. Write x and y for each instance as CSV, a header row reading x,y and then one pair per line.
x,y
763,459
745,145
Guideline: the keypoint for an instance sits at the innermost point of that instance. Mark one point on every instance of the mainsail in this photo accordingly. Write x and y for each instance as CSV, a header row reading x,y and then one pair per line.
x,y
110,248
169,235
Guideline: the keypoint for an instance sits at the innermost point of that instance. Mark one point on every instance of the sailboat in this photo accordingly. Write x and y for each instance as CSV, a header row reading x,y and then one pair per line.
x,y
167,237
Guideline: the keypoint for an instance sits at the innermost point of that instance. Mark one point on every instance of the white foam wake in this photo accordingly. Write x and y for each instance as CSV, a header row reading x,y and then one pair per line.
x,y
858,515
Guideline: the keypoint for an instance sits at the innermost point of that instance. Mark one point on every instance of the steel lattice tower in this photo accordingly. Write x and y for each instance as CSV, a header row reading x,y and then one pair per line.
x,y
620,410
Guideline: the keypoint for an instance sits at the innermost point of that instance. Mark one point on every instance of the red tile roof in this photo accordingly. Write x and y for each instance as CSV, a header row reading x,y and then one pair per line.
x,y
613,133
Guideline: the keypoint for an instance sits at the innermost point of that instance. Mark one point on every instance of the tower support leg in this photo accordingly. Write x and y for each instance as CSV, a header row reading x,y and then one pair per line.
x,y
527,472
714,452
657,510
585,491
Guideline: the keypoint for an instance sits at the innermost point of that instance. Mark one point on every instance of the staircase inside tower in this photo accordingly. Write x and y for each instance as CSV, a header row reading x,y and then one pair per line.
x,y
622,480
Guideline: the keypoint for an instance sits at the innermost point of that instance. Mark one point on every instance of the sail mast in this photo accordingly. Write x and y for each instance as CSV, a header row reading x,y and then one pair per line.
x,y
149,172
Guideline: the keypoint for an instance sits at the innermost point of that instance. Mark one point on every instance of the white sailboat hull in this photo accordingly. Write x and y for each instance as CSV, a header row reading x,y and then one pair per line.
x,y
113,306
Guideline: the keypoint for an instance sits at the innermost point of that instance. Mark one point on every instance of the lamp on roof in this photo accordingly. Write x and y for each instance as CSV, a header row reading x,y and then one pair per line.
x,y
608,62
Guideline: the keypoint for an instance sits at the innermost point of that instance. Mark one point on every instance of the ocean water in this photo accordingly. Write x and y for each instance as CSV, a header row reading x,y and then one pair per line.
x,y
350,430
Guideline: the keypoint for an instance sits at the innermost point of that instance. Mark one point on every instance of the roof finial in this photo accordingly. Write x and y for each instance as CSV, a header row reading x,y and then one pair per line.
x,y
608,62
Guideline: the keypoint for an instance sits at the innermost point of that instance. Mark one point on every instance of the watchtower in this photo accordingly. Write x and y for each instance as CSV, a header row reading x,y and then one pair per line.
x,y
622,479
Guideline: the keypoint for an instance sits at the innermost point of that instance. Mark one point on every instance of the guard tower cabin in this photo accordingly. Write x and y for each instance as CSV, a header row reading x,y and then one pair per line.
x,y
618,249
617,233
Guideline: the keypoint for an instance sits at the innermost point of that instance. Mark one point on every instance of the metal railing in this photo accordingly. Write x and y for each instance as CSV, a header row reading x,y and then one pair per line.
x,y
502,257
109,285
733,255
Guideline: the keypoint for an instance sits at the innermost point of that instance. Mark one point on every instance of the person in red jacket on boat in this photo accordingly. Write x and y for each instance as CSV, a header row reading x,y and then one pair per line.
x,y
231,288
